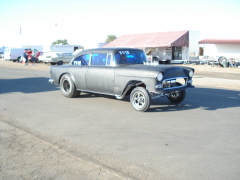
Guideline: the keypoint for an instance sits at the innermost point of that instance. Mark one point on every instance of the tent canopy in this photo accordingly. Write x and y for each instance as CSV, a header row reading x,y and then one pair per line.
x,y
160,39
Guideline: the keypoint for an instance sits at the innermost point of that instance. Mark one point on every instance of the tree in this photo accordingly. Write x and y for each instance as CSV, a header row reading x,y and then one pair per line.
x,y
60,41
110,38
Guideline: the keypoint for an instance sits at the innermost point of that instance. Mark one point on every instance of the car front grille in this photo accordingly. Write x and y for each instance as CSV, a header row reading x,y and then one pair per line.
x,y
174,83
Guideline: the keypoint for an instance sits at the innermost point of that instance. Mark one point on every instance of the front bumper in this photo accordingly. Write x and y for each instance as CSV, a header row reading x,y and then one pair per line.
x,y
174,83
171,85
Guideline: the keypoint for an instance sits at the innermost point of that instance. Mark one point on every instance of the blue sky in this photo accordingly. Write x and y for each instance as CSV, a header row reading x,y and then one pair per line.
x,y
89,22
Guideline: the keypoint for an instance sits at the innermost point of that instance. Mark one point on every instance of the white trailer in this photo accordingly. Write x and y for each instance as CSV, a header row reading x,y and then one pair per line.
x,y
66,48
220,50
192,50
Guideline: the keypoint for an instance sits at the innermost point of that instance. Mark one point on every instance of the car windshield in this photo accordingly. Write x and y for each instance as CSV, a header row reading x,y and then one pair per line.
x,y
130,57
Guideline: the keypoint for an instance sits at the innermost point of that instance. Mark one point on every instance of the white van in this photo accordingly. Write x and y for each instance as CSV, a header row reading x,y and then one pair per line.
x,y
13,54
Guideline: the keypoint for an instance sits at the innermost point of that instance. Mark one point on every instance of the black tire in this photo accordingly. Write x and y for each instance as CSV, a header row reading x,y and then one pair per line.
x,y
221,60
18,59
68,87
177,96
140,99
60,63
53,63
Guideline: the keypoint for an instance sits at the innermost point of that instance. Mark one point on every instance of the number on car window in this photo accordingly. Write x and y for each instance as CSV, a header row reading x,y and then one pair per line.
x,y
124,52
77,63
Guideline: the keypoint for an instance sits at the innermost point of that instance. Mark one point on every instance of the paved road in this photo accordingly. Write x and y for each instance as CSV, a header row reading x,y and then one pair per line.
x,y
197,139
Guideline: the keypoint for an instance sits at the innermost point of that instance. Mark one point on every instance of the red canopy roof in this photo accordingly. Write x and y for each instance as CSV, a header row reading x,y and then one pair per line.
x,y
160,39
219,41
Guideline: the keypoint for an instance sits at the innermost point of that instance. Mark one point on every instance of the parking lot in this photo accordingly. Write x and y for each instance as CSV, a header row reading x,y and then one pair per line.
x,y
46,136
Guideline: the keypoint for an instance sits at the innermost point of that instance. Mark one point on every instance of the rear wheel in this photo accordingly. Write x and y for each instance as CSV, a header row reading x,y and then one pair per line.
x,y
60,63
68,87
140,99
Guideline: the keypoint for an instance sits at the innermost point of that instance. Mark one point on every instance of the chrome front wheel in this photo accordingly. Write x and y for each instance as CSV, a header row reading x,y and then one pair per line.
x,y
140,99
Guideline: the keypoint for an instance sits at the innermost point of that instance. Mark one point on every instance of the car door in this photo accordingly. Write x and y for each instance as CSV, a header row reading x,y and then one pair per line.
x,y
79,69
100,75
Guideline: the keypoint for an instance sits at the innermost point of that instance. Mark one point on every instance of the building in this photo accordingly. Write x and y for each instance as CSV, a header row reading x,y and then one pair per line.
x,y
2,48
164,46
100,45
215,48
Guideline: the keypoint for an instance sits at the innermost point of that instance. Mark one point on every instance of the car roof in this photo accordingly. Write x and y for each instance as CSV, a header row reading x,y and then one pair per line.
x,y
106,50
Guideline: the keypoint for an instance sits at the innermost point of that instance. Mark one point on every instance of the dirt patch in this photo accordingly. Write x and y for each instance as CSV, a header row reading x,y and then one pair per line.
x,y
216,71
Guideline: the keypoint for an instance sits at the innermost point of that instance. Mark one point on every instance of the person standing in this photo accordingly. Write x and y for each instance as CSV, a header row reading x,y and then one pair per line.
x,y
25,55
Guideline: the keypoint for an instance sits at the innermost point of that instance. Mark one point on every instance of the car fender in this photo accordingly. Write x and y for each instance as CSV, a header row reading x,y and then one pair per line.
x,y
129,87
68,74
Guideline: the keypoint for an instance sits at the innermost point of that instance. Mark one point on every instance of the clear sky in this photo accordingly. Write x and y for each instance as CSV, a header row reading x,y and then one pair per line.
x,y
88,22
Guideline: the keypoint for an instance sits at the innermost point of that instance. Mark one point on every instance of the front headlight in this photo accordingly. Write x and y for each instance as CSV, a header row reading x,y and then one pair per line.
x,y
159,76
191,73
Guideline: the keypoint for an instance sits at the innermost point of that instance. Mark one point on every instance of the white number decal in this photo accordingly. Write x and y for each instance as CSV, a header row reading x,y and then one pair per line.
x,y
124,52
77,62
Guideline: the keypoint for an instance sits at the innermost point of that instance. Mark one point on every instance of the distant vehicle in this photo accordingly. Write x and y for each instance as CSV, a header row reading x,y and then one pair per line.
x,y
1,55
66,48
13,54
56,57
119,72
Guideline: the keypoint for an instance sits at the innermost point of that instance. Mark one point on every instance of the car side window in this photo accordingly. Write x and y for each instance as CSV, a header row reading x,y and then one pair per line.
x,y
99,59
129,57
82,60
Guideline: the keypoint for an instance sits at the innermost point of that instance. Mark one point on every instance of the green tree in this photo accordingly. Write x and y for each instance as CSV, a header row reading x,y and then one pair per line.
x,y
110,38
60,41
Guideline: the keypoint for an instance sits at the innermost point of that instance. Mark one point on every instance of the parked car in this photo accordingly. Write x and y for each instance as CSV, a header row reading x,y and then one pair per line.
x,y
119,72
56,57
62,58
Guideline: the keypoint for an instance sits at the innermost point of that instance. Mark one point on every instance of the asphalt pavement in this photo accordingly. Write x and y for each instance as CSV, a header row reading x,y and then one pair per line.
x,y
47,136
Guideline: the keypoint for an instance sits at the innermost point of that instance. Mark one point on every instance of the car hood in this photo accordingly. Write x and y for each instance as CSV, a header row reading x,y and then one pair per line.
x,y
141,70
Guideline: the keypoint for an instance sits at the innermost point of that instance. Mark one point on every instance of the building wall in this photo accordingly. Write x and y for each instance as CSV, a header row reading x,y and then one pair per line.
x,y
159,52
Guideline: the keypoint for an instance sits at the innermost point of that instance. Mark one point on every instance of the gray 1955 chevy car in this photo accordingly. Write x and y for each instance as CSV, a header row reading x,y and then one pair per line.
x,y
120,72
